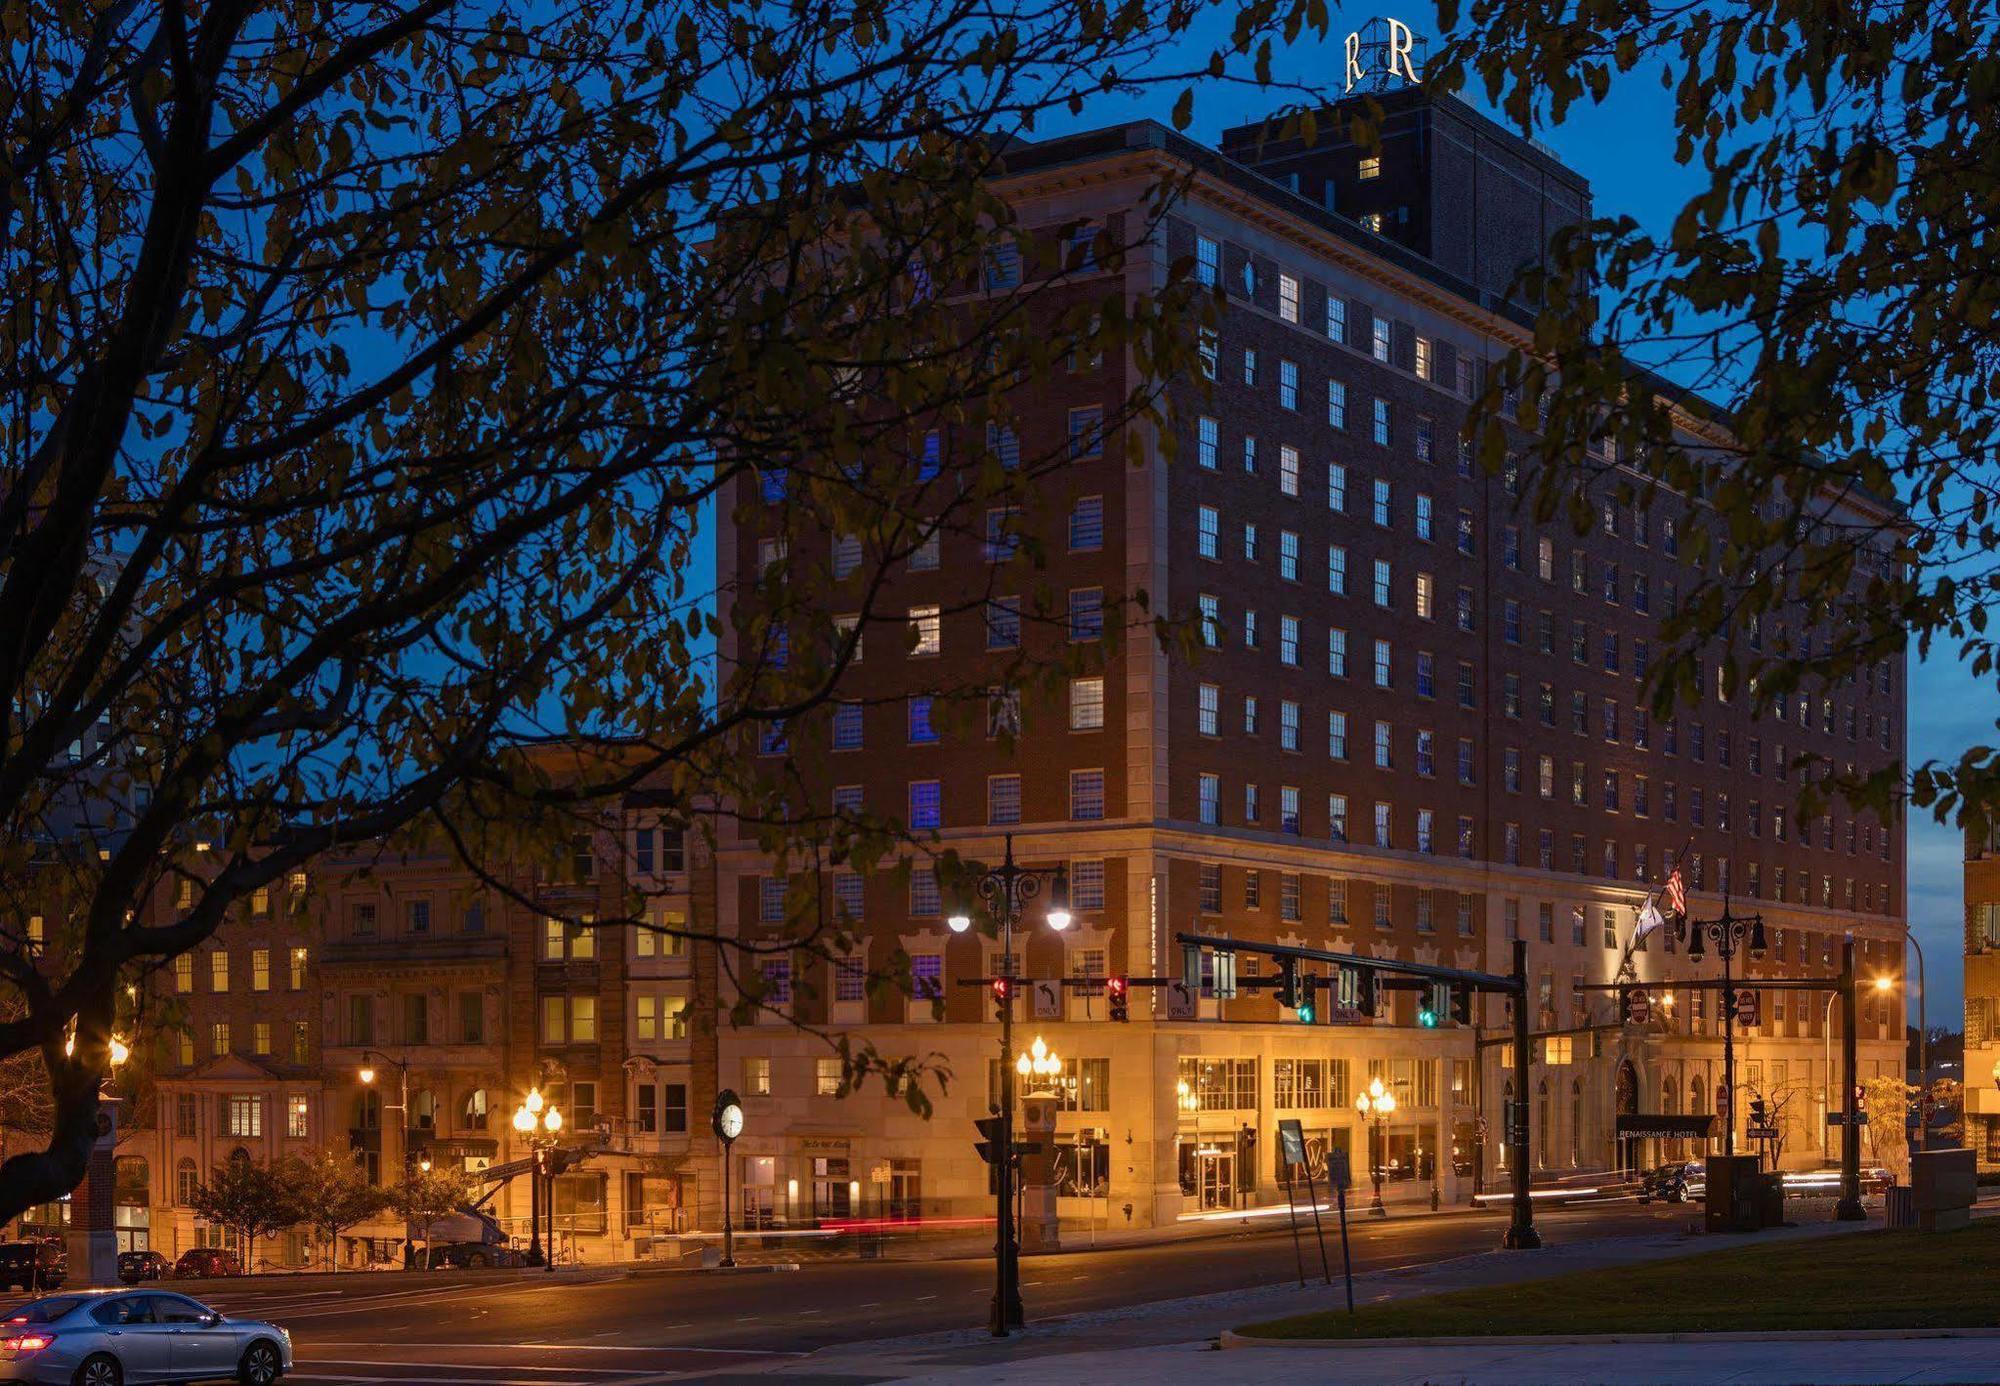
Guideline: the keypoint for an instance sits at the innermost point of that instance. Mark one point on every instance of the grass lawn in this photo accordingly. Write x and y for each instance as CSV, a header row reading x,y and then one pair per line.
x,y
1860,1280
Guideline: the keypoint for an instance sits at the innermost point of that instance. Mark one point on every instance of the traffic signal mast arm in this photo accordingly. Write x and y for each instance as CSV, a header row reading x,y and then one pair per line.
x,y
1395,967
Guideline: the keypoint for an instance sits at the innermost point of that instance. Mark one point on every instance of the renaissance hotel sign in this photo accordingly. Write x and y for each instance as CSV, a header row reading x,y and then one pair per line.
x,y
1381,53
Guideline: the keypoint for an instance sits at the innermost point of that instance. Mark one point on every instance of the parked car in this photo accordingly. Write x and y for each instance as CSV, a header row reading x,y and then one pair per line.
x,y
206,1263
1674,1183
134,1266
123,1338
33,1265
472,1256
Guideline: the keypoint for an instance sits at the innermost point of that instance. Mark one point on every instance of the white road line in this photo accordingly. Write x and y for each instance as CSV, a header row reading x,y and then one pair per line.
x,y
471,1366
560,1347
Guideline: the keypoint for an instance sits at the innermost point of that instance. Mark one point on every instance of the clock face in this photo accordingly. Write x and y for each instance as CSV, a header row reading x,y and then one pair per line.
x,y
731,1122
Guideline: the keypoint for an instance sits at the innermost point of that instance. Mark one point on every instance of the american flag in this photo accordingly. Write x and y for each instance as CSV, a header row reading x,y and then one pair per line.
x,y
1676,892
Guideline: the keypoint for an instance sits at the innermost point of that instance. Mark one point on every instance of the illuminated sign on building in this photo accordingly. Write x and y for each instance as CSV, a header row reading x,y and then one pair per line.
x,y
1383,50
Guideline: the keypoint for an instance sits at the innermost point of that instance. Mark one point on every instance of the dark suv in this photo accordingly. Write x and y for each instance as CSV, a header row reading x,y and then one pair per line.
x,y
33,1265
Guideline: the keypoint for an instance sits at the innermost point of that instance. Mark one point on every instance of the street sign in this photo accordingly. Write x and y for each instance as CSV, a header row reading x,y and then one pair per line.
x,y
1292,1141
1337,1171
1721,1100
1746,1008
1840,1119
1638,1008
1760,1133
1048,1000
879,1174
1180,1001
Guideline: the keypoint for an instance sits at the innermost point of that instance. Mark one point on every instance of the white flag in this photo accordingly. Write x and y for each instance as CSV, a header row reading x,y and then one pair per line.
x,y
1649,920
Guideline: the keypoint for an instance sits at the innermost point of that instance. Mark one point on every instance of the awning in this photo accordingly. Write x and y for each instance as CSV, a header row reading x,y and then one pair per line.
x,y
1667,1125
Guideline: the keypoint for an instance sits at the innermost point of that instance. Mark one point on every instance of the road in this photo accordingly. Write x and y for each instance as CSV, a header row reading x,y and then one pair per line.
x,y
516,1330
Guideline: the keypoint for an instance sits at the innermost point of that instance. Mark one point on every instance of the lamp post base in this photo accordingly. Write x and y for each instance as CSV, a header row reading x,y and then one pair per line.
x,y
1522,1239
1849,1210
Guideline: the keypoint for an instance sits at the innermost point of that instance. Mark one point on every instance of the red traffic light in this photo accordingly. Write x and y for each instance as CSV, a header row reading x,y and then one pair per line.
x,y
1117,992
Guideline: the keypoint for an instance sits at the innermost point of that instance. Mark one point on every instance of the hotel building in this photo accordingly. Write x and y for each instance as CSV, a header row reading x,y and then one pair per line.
x,y
1412,727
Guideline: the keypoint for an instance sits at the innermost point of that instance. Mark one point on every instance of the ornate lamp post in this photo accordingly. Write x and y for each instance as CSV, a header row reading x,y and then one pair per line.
x,y
539,1123
1376,1105
1729,934
367,1077
1007,891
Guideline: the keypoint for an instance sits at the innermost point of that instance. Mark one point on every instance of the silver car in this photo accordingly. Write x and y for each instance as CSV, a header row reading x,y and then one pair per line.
x,y
115,1337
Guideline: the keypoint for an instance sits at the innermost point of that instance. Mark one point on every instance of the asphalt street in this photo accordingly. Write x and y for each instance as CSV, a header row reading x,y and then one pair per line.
x,y
519,1330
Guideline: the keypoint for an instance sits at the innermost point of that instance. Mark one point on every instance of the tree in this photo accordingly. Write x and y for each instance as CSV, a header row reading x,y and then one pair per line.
x,y
1829,292
370,370
1888,1101
251,1198
331,1194
422,1196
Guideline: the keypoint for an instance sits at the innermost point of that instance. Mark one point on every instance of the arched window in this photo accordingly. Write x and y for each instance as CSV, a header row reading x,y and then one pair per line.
x,y
474,1116
1575,1123
1544,1138
239,1156
186,1179
424,1110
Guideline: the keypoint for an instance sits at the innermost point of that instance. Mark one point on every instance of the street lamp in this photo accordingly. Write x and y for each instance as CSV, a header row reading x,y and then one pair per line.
x,y
1038,1061
367,1076
539,1123
1730,933
1007,889
1376,1105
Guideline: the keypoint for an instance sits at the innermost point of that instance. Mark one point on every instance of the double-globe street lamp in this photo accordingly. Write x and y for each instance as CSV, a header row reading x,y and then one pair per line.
x,y
1007,891
1376,1106
540,1123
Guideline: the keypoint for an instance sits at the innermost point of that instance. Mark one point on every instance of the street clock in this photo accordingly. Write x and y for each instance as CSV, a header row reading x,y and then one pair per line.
x,y
728,1118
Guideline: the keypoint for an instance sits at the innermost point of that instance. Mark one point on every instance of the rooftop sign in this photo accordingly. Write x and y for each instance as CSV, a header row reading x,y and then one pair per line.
x,y
1382,51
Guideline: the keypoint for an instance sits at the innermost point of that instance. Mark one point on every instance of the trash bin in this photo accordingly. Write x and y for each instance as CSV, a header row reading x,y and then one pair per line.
x,y
1899,1207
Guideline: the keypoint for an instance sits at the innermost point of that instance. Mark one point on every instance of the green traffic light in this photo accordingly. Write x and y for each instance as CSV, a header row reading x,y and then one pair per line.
x,y
1427,1018
1305,1015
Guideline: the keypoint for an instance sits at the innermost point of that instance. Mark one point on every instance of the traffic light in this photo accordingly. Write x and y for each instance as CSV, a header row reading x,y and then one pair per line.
x,y
1431,1007
1461,1005
1118,996
1364,990
1288,982
1756,1111
1307,1009
1002,991
990,1131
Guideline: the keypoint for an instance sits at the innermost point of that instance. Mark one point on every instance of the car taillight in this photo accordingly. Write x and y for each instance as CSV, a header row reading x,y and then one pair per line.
x,y
26,1342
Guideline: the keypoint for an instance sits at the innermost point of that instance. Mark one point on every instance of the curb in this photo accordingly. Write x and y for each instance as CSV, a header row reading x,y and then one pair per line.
x,y
1233,1339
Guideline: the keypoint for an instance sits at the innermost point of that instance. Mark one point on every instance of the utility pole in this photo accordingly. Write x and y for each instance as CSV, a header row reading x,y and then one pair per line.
x,y
1521,1234
1849,1208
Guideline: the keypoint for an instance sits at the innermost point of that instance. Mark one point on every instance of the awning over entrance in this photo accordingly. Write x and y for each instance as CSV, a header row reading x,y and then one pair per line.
x,y
1665,1125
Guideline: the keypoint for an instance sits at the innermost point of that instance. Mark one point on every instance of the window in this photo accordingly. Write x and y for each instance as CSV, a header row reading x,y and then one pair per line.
x,y
260,969
1288,471
1288,726
1208,260
1288,385
1208,709
1336,570
1336,318
1210,792
1086,524
1002,538
1382,678
1336,407
1370,166
297,980
847,724
1381,417
1208,532
922,731
1288,555
1003,799
1336,735
926,631
1382,511
1086,432
1336,487
1384,583
1336,653
1086,794
297,1116
1003,623
1288,298
1384,756
1207,441
1211,620
1086,704
1288,641
1379,340
218,969
926,805
1086,614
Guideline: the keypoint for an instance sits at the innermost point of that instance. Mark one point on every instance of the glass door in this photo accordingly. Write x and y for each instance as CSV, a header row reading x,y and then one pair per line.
x,y
1218,1179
